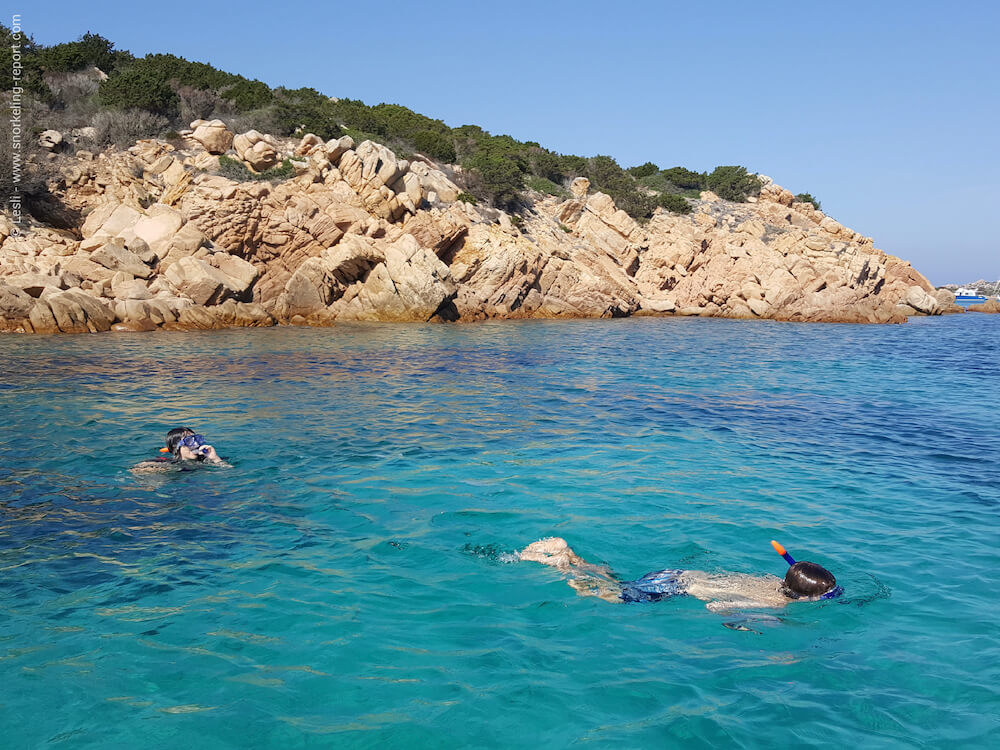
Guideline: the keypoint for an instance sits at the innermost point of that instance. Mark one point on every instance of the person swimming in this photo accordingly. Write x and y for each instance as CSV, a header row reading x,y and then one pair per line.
x,y
804,581
186,449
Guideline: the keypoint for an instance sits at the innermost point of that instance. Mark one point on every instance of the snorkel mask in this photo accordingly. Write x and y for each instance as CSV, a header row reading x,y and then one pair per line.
x,y
831,594
194,443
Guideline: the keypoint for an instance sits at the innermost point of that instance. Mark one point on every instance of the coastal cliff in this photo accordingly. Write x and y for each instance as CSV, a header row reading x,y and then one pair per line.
x,y
180,235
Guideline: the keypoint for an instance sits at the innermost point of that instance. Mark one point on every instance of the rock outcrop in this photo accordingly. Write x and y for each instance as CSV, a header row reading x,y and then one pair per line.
x,y
989,306
359,234
213,135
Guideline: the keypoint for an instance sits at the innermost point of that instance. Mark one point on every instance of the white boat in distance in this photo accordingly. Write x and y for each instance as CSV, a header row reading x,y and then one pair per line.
x,y
965,294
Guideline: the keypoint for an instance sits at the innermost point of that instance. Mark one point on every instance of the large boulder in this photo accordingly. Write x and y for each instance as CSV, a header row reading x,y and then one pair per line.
x,y
36,283
256,149
214,136
77,312
110,220
240,274
115,256
158,227
86,269
203,283
989,306
412,285
579,187
921,301
435,181
50,140
15,308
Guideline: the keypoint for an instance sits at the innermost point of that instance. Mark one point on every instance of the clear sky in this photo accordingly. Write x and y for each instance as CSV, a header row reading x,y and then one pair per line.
x,y
888,112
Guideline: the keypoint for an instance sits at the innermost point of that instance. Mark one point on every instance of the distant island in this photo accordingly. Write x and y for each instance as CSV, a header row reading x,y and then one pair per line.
x,y
156,192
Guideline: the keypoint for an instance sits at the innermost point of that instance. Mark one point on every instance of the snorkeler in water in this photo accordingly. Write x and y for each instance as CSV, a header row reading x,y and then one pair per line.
x,y
186,448
721,591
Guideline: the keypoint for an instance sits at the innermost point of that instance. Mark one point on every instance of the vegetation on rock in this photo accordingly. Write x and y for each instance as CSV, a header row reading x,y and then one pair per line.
x,y
143,97
808,198
733,183
236,170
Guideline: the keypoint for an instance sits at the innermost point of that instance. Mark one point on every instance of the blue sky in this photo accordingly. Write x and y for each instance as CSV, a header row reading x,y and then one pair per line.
x,y
885,111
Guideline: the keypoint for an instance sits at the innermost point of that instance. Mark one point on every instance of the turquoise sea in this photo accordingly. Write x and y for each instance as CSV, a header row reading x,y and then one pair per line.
x,y
349,583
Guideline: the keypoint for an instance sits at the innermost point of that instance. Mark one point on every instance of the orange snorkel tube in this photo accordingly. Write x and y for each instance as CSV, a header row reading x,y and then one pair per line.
x,y
781,551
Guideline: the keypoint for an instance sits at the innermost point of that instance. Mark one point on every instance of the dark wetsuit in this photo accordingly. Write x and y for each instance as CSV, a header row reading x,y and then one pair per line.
x,y
652,587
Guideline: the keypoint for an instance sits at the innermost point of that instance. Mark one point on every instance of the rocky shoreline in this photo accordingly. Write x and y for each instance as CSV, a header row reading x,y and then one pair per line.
x,y
154,237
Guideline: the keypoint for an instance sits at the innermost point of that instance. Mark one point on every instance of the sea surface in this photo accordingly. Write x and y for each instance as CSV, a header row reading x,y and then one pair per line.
x,y
351,582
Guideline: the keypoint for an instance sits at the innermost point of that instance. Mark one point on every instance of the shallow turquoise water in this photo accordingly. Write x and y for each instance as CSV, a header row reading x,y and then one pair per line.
x,y
346,583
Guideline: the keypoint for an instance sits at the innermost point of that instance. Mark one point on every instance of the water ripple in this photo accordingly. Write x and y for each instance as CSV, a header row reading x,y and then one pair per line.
x,y
353,579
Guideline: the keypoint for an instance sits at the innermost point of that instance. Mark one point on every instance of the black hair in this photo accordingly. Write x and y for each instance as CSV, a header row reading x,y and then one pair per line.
x,y
805,579
175,436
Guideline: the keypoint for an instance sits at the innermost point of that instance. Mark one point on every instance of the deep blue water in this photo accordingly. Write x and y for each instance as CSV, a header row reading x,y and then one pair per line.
x,y
348,584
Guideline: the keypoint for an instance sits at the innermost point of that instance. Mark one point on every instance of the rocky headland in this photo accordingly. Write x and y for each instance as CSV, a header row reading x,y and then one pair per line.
x,y
155,237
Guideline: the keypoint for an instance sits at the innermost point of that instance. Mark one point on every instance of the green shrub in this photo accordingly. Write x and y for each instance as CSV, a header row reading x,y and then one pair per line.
x,y
305,110
807,198
280,172
182,72
643,170
247,96
607,176
467,198
545,164
573,166
359,136
31,65
397,121
354,114
434,144
234,169
673,203
501,175
139,87
685,178
733,183
90,49
546,186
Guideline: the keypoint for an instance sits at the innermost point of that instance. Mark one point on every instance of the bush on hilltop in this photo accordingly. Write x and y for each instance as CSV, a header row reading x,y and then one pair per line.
x,y
146,96
685,178
643,170
807,198
140,87
674,203
89,50
733,183
435,145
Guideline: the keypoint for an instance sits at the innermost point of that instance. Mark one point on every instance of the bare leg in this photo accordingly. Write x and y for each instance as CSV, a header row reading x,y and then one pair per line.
x,y
586,578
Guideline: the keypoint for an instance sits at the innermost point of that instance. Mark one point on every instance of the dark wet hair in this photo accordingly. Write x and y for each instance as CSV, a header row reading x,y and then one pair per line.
x,y
805,579
175,436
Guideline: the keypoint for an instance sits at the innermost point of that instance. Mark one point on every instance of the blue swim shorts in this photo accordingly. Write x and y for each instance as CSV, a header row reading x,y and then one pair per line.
x,y
652,587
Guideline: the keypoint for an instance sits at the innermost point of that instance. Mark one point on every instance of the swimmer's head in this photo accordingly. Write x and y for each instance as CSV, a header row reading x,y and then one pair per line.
x,y
807,579
174,438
